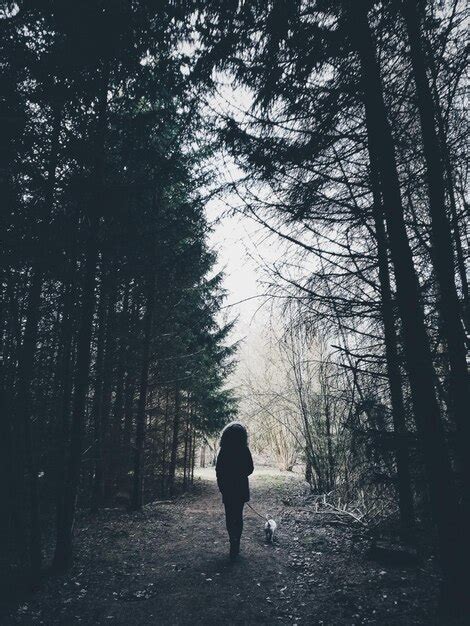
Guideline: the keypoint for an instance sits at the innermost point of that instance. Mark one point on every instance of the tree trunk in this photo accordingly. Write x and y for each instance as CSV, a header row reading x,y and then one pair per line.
x,y
66,365
164,445
187,458
416,344
308,469
129,406
107,395
457,235
447,165
174,444
14,541
96,409
138,480
456,228
193,454
129,401
405,495
118,406
442,249
329,444
23,407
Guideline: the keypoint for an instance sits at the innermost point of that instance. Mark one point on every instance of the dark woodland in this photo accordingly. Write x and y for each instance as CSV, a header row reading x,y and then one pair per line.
x,y
117,347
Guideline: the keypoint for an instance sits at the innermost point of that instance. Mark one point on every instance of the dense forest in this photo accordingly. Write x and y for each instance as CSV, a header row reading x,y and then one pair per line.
x,y
114,361
348,148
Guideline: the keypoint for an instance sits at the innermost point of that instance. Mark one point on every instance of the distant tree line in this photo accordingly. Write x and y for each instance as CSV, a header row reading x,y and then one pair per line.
x,y
114,359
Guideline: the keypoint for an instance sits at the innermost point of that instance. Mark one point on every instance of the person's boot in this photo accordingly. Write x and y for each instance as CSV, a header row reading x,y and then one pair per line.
x,y
234,549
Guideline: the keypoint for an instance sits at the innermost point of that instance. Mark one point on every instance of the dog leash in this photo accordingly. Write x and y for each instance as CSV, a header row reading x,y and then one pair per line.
x,y
255,511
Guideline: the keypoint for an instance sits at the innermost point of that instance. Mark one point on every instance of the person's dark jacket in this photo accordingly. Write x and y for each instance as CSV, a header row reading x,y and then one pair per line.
x,y
234,465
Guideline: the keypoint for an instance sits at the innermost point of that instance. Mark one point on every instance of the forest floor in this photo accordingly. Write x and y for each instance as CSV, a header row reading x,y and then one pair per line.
x,y
169,565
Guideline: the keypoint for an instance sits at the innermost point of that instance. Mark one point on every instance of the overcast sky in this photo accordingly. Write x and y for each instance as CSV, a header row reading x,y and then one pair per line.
x,y
244,248
241,247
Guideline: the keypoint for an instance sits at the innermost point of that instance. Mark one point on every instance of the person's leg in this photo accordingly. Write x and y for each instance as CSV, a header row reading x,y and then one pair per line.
x,y
234,519
230,520
234,523
238,520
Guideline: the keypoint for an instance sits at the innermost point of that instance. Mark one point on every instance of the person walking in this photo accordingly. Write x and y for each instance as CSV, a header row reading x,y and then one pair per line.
x,y
234,465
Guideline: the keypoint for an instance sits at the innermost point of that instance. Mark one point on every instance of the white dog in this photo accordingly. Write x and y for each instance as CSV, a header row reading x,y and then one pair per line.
x,y
270,529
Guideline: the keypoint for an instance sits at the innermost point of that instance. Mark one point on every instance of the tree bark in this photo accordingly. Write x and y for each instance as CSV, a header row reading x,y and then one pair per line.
x,y
96,408
174,443
118,405
193,454
187,453
405,495
15,540
308,469
102,463
416,344
129,400
329,447
164,444
138,480
442,249
23,406
66,365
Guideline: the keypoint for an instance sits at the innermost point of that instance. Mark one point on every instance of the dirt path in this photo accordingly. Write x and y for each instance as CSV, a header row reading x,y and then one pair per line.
x,y
169,565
